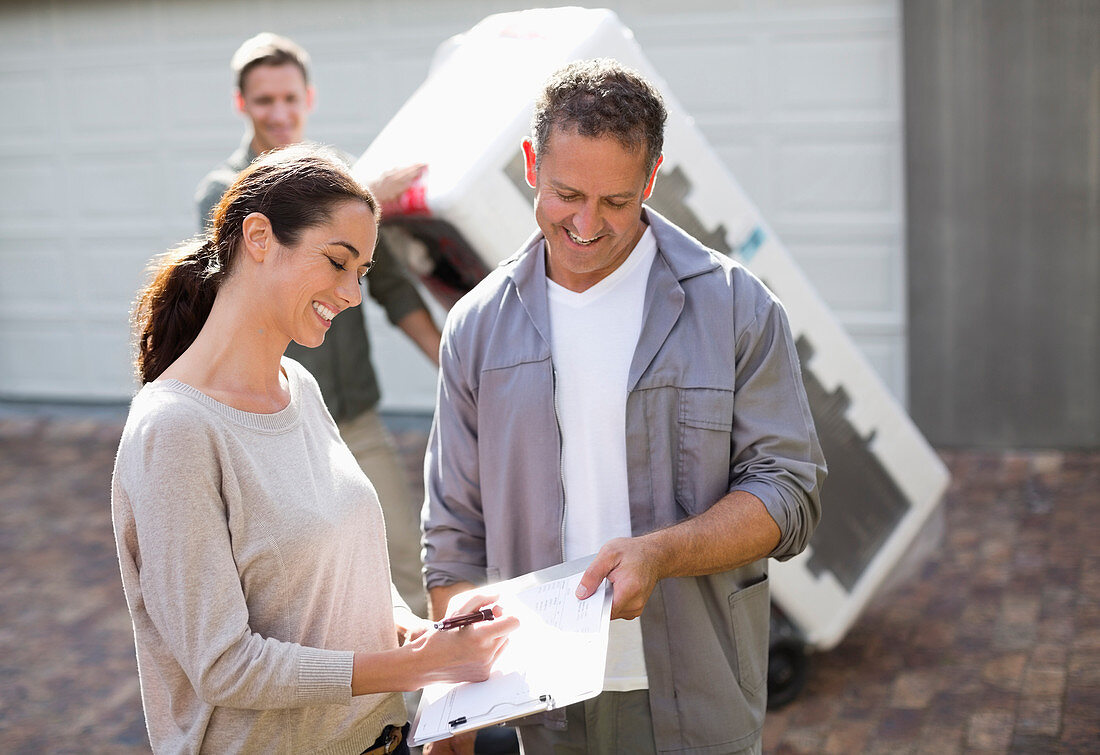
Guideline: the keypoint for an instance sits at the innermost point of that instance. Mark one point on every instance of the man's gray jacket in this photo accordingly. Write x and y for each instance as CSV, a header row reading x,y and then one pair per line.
x,y
715,404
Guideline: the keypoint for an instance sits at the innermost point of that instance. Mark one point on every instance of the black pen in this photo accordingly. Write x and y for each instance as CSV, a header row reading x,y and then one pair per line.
x,y
462,620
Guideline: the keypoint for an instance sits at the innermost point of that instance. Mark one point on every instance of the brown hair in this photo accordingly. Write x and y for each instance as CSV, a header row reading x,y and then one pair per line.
x,y
597,97
297,187
267,49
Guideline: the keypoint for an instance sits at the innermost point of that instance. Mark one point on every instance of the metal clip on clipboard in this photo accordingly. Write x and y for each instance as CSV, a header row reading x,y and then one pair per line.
x,y
545,700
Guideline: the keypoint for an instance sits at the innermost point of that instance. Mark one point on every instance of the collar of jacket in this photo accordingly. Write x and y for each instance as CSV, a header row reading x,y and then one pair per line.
x,y
679,257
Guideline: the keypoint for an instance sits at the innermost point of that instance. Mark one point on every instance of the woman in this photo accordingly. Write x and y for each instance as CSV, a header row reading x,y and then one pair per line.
x,y
251,545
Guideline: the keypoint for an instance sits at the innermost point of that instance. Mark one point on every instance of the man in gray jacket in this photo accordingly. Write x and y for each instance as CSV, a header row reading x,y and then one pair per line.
x,y
617,388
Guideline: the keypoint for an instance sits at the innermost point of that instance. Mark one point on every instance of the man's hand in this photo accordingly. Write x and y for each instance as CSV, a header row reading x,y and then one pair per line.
x,y
735,531
459,744
393,183
633,566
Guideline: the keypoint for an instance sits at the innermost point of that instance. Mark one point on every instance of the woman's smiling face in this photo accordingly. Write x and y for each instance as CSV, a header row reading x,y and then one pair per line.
x,y
320,276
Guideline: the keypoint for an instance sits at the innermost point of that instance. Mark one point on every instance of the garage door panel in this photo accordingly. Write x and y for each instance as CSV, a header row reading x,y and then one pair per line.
x,y
119,107
114,186
30,186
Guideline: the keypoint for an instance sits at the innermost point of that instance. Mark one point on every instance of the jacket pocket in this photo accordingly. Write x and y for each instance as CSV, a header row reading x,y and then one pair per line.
x,y
703,457
750,612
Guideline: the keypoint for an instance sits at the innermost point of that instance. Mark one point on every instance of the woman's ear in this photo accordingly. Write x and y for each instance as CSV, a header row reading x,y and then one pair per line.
x,y
257,235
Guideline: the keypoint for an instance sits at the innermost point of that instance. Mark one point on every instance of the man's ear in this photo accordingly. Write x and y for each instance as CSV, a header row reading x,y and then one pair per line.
x,y
257,236
652,178
311,98
238,100
529,161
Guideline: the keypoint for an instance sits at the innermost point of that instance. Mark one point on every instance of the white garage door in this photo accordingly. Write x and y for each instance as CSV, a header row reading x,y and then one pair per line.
x,y
115,110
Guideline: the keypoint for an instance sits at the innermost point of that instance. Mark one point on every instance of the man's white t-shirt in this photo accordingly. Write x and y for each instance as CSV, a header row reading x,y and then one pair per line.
x,y
593,336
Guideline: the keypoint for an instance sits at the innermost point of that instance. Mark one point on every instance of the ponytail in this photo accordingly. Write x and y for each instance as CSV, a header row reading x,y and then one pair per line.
x,y
172,308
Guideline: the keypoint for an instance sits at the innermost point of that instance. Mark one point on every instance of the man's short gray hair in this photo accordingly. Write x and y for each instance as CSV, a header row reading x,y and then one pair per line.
x,y
601,97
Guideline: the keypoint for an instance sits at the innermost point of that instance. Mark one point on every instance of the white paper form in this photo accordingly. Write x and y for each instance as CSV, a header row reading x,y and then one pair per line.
x,y
555,658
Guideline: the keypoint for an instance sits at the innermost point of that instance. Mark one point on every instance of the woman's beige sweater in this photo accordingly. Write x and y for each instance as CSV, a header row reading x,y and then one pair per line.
x,y
253,559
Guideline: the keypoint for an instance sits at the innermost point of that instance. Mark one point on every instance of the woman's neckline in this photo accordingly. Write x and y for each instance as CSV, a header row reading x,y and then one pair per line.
x,y
276,420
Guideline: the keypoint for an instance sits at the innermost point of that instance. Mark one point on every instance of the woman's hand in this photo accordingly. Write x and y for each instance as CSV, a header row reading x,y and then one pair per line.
x,y
431,655
409,625
465,654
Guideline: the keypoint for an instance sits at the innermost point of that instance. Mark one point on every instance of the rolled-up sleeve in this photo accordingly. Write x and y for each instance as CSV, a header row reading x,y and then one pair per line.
x,y
776,455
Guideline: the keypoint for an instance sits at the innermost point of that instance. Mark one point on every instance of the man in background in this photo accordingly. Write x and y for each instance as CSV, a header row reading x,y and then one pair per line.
x,y
274,94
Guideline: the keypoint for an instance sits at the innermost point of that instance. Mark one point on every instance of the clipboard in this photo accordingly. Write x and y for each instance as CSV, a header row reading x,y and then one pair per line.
x,y
555,658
